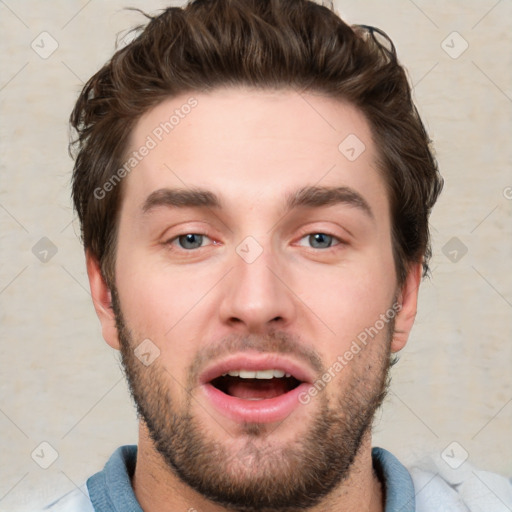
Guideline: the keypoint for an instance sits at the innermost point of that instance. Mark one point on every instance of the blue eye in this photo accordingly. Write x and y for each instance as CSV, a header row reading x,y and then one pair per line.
x,y
320,240
190,241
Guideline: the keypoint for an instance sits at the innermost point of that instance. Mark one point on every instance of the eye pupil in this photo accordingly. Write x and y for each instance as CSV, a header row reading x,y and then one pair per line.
x,y
320,240
190,241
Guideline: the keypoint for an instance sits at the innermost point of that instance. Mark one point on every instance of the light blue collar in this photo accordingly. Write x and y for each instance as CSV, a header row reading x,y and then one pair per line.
x,y
110,490
397,482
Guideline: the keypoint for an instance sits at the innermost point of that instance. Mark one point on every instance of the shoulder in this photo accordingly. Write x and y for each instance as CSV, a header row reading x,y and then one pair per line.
x,y
74,501
432,484
441,487
108,486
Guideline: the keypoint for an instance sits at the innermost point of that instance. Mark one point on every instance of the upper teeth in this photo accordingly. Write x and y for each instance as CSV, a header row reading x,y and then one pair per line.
x,y
260,374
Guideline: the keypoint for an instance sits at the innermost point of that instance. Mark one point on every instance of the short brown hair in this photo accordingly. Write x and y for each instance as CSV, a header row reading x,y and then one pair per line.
x,y
266,44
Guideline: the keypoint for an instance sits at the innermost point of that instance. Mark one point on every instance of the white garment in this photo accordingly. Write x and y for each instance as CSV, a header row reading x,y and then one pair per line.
x,y
439,488
75,501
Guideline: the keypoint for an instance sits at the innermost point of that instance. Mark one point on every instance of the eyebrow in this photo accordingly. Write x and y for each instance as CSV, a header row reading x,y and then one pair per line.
x,y
327,196
181,198
310,196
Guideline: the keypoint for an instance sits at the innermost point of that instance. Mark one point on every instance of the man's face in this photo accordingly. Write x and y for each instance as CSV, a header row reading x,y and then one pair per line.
x,y
251,241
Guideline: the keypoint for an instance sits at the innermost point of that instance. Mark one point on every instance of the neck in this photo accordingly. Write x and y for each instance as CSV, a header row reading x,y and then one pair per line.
x,y
158,488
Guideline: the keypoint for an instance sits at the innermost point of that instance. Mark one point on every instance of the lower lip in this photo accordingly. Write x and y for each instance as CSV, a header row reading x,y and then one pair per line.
x,y
255,411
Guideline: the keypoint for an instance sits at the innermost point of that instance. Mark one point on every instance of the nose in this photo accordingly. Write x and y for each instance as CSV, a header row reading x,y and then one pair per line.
x,y
256,297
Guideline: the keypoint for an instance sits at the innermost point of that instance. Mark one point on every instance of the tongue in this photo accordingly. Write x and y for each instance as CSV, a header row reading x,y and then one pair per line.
x,y
256,388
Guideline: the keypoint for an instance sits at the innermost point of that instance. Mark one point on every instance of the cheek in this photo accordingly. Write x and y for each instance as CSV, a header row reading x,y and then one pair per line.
x,y
167,306
348,300
147,299
349,307
362,285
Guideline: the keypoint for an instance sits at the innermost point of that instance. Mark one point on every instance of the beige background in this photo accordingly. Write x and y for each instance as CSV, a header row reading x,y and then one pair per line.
x,y
60,383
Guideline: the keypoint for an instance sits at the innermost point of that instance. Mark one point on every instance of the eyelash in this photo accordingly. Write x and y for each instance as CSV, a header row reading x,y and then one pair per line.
x,y
335,240
175,240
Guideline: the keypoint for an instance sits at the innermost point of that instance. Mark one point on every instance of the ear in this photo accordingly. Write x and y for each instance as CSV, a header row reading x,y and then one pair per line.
x,y
102,300
408,299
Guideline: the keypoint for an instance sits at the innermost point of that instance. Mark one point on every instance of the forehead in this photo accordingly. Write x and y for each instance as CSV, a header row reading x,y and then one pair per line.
x,y
246,143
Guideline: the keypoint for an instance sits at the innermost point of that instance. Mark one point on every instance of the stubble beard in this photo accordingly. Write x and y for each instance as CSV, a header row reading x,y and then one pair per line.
x,y
262,475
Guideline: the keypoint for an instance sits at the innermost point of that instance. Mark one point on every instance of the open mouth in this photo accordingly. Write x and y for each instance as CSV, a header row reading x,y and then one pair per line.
x,y
257,388
255,385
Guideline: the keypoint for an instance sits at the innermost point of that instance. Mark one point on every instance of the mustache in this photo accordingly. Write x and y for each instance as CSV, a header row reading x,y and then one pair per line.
x,y
276,342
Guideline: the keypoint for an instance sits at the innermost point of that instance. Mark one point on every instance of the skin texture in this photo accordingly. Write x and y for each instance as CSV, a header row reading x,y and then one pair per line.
x,y
253,149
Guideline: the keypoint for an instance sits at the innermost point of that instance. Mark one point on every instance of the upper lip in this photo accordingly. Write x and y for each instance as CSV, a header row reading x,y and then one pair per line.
x,y
255,362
